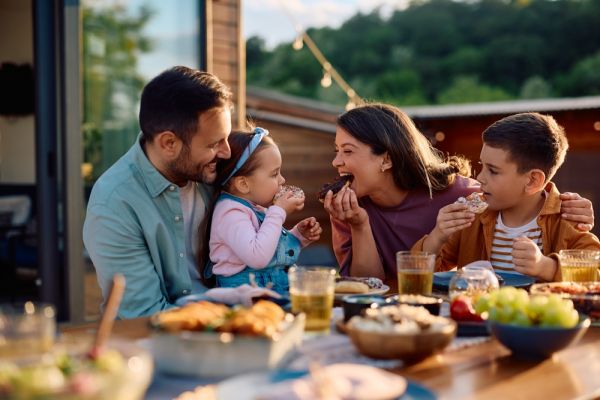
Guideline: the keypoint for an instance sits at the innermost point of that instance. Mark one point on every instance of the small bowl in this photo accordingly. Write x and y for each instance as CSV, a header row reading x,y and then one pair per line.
x,y
535,341
355,304
402,346
431,303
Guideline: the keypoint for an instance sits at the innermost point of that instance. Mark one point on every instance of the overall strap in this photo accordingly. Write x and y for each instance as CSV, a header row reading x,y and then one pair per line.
x,y
259,214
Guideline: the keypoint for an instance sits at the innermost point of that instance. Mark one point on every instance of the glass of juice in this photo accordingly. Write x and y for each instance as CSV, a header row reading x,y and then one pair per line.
x,y
26,329
579,265
312,292
415,272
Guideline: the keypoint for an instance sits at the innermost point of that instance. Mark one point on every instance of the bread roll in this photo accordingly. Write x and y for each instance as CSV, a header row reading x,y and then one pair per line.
x,y
351,287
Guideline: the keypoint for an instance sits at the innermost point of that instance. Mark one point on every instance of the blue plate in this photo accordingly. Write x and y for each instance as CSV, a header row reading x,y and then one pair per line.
x,y
441,280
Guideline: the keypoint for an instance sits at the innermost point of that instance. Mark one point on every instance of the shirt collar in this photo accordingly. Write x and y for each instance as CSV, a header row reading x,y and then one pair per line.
x,y
155,182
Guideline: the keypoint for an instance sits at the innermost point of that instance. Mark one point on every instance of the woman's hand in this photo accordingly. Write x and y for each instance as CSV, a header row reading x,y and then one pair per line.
x,y
577,209
344,207
290,203
310,229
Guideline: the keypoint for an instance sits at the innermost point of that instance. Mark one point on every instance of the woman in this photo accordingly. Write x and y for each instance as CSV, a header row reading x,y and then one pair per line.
x,y
400,183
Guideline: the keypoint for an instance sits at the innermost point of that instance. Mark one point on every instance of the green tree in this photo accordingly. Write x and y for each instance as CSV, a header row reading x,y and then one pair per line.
x,y
584,78
535,88
467,89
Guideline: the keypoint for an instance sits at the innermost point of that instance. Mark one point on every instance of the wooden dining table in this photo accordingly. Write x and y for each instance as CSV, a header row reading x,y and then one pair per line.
x,y
483,371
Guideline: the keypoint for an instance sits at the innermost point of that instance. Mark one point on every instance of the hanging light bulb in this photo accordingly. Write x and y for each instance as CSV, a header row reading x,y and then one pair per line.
x,y
298,44
326,80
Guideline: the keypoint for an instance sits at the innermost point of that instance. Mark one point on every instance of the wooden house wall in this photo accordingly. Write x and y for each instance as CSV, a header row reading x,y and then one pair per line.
x,y
226,50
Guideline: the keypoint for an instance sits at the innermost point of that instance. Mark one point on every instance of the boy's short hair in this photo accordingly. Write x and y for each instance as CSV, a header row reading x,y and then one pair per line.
x,y
533,141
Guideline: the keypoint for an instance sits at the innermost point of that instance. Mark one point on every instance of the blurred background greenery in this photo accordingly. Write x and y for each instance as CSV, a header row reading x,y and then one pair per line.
x,y
443,51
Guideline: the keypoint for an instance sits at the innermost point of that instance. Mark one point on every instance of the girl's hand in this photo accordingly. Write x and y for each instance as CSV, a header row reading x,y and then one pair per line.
x,y
451,218
577,209
344,206
310,229
290,203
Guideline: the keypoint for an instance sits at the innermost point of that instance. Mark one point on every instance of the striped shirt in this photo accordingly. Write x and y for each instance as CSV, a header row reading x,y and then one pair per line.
x,y
502,243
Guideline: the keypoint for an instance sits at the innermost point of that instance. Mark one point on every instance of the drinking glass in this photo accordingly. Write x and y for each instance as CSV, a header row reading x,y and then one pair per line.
x,y
415,272
579,265
472,281
26,329
312,291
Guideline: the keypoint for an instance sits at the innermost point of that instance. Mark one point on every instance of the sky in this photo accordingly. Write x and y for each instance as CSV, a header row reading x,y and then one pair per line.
x,y
268,18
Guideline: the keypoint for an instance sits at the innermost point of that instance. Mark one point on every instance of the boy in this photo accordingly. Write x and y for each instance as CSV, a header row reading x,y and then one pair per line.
x,y
522,229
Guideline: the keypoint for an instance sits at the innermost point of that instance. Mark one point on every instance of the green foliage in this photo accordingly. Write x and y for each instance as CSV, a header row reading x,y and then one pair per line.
x,y
445,51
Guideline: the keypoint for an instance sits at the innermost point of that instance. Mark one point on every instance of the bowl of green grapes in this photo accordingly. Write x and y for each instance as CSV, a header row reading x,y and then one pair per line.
x,y
531,326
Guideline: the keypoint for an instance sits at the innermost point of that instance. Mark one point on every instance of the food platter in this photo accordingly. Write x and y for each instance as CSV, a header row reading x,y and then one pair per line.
x,y
382,290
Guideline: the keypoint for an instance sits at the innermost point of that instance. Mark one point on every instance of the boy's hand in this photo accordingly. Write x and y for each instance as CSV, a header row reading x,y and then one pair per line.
x,y
344,206
290,203
577,209
310,229
452,218
529,260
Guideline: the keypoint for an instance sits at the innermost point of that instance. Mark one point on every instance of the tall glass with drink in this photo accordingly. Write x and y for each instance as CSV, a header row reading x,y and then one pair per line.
x,y
579,265
26,329
312,292
415,272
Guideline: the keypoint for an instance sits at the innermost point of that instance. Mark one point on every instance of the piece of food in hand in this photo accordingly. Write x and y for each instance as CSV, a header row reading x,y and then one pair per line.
x,y
474,202
461,309
342,181
351,287
295,190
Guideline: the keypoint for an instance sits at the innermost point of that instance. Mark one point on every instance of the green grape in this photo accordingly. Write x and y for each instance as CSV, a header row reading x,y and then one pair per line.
x,y
536,307
482,304
505,314
506,295
493,314
520,318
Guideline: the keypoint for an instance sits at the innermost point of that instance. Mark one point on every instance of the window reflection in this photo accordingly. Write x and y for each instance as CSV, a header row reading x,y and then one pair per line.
x,y
126,43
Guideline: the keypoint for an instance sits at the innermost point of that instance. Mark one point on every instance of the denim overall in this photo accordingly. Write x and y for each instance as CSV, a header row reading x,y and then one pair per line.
x,y
275,273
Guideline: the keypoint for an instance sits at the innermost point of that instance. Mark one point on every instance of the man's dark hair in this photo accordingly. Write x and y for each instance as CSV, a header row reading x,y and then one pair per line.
x,y
174,100
532,140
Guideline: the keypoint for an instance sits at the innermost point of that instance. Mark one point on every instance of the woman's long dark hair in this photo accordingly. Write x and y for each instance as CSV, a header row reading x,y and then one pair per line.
x,y
238,141
416,164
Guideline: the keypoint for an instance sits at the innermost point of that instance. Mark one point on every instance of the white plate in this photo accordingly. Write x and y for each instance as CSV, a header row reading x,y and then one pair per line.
x,y
382,290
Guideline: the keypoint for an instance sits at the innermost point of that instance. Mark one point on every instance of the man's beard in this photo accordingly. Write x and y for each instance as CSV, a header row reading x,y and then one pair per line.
x,y
181,170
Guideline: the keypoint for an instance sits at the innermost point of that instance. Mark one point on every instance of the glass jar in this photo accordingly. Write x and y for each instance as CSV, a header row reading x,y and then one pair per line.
x,y
472,281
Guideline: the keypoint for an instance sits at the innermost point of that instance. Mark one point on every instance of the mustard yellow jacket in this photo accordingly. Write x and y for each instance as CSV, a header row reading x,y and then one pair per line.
x,y
475,242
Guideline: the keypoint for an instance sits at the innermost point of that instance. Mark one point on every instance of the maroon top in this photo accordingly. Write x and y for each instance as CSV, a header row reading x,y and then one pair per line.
x,y
398,228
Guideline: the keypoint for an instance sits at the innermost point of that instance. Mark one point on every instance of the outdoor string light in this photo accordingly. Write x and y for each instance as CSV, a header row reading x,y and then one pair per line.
x,y
329,72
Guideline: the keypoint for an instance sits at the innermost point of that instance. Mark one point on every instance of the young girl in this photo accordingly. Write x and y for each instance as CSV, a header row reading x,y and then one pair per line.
x,y
246,231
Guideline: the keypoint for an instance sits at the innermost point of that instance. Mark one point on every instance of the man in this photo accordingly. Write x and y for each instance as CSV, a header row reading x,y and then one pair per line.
x,y
144,211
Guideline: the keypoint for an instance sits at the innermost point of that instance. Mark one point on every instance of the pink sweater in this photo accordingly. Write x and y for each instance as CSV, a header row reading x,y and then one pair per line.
x,y
238,240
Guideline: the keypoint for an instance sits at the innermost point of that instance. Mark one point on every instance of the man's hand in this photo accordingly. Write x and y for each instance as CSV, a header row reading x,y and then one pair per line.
x,y
577,209
310,229
529,260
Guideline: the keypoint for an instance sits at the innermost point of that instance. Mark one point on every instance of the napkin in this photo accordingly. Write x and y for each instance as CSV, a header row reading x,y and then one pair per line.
x,y
339,382
242,294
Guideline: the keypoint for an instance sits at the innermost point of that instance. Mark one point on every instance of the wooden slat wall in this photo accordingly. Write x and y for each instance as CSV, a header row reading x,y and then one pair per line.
x,y
227,51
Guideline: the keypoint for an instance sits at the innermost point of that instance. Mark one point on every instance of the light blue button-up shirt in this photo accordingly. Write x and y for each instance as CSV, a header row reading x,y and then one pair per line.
x,y
132,227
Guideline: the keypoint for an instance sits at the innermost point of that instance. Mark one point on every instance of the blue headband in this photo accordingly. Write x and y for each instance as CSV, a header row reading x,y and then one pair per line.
x,y
259,134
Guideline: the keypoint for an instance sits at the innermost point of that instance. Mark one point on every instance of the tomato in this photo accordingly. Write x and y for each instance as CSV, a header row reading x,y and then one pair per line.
x,y
461,309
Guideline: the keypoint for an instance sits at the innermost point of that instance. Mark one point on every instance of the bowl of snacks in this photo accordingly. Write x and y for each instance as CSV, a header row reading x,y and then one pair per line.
x,y
431,303
122,371
213,340
354,305
532,326
400,332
